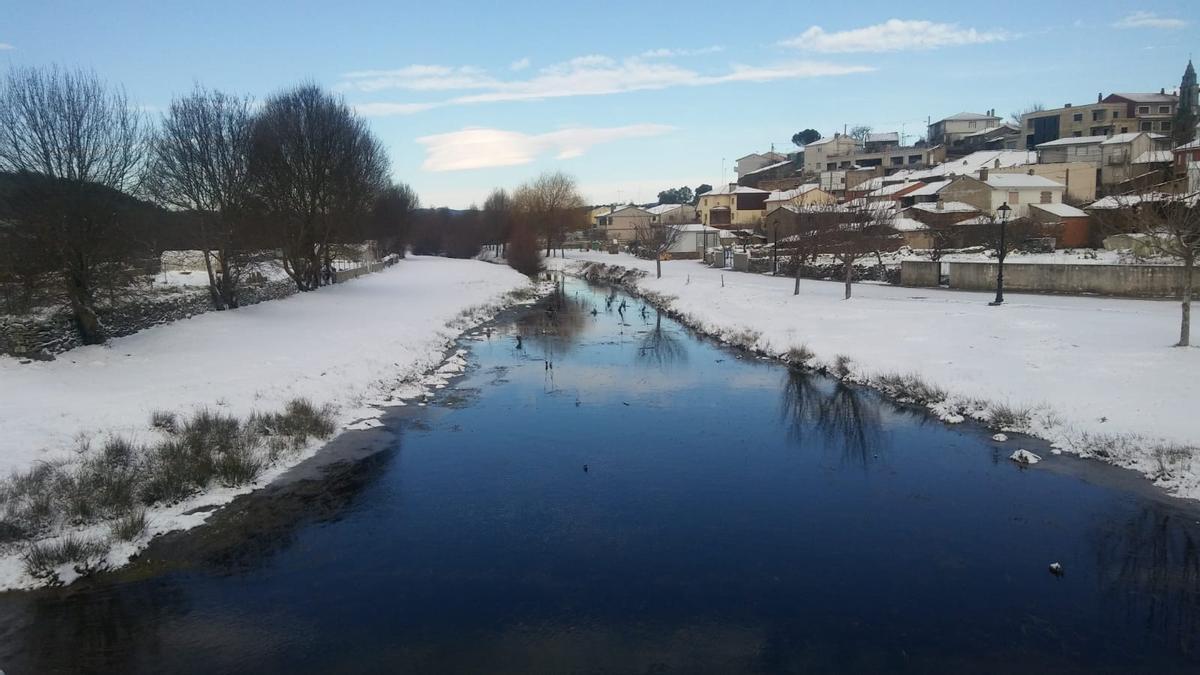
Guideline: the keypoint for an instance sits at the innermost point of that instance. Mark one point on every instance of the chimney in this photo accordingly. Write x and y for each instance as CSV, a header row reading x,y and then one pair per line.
x,y
1066,105
1031,172
1162,90
941,206
996,164
983,174
1099,97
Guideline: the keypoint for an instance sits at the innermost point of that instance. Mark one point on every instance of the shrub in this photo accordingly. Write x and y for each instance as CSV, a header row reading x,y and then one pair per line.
x,y
841,366
164,420
43,558
129,526
522,251
1008,418
798,357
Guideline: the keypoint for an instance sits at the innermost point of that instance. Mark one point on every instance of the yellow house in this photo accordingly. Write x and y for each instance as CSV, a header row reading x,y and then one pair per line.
x,y
733,207
805,195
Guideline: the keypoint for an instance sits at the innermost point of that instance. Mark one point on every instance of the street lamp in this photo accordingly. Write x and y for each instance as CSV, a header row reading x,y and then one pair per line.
x,y
1003,211
775,248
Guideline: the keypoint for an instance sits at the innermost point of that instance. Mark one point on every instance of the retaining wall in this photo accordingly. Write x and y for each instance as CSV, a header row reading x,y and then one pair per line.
x,y
1138,281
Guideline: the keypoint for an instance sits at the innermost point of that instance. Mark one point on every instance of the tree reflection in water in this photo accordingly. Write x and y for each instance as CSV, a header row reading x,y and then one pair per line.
x,y
842,415
557,327
1150,567
661,347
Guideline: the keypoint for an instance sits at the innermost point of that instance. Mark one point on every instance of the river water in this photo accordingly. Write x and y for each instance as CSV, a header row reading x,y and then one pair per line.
x,y
612,494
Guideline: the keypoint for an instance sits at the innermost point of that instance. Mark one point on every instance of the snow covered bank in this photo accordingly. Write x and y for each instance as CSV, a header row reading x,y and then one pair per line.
x,y
1095,376
358,346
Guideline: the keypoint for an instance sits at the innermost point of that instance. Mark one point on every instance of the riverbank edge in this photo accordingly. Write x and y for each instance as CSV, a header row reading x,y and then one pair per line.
x,y
1166,465
196,510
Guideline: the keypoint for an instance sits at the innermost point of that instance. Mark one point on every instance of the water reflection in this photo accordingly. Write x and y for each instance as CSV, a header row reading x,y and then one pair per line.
x,y
91,626
1149,568
661,347
845,417
557,323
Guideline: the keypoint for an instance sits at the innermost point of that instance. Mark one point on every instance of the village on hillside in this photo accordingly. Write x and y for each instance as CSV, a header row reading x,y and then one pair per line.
x,y
1071,185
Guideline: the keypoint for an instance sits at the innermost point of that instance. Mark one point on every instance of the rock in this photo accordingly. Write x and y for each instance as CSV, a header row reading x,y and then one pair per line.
x,y
1056,569
1024,456
1000,438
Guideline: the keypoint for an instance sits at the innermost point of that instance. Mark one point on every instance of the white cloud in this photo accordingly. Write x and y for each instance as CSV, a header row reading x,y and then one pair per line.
x,y
419,78
1148,20
665,53
5,45
591,75
519,64
893,35
479,148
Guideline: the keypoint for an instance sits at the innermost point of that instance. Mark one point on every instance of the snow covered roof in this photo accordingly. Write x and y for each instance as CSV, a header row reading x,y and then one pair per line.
x,y
1020,180
735,189
972,163
1006,127
664,208
1125,201
787,195
892,189
768,167
1154,157
621,209
1189,146
1148,98
1060,210
947,207
968,117
696,227
1130,136
905,224
884,137
928,189
1073,140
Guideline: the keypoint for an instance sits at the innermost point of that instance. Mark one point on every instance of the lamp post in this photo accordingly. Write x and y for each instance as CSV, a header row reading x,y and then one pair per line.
x,y
1001,253
775,249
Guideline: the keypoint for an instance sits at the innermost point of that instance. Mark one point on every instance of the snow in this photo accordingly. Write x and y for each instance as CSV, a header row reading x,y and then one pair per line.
x,y
1098,376
1024,456
360,346
1000,438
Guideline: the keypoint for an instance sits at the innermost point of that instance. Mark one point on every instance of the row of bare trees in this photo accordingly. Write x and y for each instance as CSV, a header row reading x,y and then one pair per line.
x,y
518,226
291,180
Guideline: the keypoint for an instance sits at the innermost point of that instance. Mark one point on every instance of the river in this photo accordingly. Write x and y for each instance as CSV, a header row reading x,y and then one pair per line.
x,y
613,494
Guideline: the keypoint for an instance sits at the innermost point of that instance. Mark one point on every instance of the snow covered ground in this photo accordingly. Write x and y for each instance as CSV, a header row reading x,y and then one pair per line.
x,y
359,346
1098,375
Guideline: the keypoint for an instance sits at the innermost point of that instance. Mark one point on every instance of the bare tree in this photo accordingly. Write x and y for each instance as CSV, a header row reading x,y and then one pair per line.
x,y
552,206
860,133
497,218
317,169
392,217
77,144
1016,115
657,239
860,231
199,162
1172,229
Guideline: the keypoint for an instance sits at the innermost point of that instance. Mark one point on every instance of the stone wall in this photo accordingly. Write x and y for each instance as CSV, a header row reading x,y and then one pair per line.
x,y
1137,281
40,335
1146,281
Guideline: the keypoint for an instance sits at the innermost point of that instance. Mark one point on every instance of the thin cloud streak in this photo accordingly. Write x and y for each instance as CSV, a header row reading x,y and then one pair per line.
x,y
480,148
1149,20
5,46
591,75
893,35
667,53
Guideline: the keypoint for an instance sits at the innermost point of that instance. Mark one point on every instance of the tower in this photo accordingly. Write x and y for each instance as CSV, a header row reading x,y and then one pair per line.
x,y
1187,114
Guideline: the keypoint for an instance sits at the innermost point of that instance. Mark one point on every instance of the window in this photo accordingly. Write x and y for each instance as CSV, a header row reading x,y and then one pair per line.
x,y
970,125
896,161
1146,126
1077,117
1047,197
914,159
1124,130
1097,115
1014,198
1164,125
1116,114
1077,134
1143,110
1164,110
830,166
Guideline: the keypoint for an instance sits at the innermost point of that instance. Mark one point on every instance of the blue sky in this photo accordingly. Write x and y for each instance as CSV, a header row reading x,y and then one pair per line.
x,y
630,97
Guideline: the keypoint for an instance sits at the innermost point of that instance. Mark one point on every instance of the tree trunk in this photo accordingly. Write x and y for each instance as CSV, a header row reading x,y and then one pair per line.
x,y
214,288
1185,323
86,320
799,264
658,264
849,276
